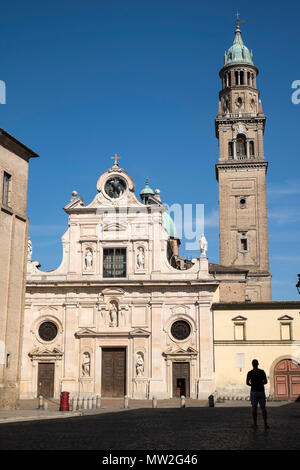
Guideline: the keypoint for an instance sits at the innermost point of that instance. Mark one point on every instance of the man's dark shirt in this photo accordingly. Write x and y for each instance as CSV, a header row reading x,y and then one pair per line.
x,y
257,378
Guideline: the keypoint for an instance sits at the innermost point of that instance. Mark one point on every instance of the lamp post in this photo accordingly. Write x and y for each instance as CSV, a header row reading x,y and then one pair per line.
x,y
298,284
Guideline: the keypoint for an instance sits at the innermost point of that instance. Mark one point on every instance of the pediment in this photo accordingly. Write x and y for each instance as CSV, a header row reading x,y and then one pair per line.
x,y
74,204
45,352
140,332
286,317
47,308
239,318
85,332
181,352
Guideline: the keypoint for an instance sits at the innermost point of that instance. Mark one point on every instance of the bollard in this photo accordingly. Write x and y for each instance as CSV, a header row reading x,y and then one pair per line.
x,y
98,401
94,402
41,401
126,402
90,403
211,401
182,401
154,402
64,401
45,406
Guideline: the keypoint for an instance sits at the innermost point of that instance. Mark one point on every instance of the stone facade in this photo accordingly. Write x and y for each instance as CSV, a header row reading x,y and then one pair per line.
x,y
135,312
14,159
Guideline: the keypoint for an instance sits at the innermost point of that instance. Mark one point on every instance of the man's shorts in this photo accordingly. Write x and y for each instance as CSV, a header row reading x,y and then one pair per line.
x,y
258,397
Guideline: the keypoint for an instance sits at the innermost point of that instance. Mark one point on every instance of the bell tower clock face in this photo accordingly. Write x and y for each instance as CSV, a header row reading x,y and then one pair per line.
x,y
115,187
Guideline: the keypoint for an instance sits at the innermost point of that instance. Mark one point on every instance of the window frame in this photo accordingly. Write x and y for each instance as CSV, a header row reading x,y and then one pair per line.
x,y
6,189
113,267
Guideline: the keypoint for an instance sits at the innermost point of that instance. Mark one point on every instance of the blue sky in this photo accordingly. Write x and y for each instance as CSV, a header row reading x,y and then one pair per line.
x,y
88,79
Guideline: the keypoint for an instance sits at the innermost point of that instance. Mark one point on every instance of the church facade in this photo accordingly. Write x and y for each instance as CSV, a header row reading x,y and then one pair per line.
x,y
117,317
124,314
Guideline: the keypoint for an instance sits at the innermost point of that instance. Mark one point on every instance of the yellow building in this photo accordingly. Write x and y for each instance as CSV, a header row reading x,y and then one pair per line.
x,y
266,331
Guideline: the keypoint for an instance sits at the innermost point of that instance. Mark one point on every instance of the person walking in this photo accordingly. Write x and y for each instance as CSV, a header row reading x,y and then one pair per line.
x,y
256,379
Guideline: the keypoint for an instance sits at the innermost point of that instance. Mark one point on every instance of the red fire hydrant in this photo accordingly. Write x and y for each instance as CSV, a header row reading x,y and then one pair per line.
x,y
64,401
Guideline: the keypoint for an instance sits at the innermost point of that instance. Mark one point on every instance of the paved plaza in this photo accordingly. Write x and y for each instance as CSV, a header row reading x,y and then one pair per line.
x,y
225,427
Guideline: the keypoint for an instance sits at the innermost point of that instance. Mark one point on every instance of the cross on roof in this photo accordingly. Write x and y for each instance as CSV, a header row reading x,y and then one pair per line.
x,y
116,158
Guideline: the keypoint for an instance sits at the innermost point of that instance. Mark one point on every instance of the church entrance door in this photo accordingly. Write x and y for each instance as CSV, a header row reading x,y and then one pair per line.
x,y
113,372
287,380
46,379
181,379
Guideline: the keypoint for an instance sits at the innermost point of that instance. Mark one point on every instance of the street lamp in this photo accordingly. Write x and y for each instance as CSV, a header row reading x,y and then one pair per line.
x,y
298,284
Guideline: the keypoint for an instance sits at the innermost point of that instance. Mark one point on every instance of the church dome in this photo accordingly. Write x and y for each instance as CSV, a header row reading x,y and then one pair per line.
x,y
238,53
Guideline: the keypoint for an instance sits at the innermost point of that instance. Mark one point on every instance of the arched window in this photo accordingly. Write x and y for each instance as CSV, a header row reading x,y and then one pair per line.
x,y
241,149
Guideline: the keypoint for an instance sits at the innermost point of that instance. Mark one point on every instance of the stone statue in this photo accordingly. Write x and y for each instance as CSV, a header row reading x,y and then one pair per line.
x,y
141,258
89,259
113,313
139,365
86,364
203,246
29,250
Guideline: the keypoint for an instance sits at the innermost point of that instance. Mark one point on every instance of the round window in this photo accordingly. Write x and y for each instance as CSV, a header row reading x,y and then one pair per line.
x,y
180,330
48,331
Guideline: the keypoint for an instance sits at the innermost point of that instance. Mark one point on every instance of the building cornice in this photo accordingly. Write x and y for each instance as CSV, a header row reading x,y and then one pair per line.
x,y
274,304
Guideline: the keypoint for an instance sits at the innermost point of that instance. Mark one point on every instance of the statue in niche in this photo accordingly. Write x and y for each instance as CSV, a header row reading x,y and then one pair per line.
x,y
203,246
86,364
113,313
141,258
139,365
29,250
88,259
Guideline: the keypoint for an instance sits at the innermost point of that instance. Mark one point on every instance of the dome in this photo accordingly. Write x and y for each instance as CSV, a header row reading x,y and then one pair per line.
x,y
238,53
147,190
169,225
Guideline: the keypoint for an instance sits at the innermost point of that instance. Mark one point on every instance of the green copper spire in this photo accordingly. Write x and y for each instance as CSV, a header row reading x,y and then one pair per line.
x,y
238,53
146,191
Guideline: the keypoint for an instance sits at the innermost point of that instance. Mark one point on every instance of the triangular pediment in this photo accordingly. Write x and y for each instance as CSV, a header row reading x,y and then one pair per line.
x,y
286,317
85,332
48,308
239,318
139,332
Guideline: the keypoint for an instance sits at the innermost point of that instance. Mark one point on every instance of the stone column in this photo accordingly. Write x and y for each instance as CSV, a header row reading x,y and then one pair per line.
x,y
157,365
206,350
234,149
70,360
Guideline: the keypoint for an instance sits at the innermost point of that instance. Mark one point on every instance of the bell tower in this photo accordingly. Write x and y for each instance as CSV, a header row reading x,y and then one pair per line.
x,y
241,171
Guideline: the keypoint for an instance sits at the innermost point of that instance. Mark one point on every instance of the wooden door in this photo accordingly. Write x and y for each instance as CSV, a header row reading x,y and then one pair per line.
x,y
46,379
181,379
113,372
287,380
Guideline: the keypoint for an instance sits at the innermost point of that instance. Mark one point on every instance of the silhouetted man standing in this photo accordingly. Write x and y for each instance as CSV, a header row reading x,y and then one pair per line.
x,y
256,378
